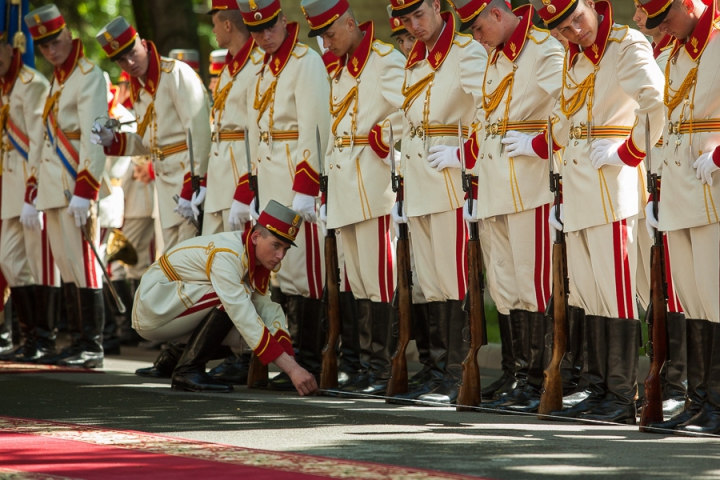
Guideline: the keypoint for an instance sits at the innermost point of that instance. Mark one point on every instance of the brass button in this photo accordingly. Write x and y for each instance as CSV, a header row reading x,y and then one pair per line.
x,y
490,156
574,161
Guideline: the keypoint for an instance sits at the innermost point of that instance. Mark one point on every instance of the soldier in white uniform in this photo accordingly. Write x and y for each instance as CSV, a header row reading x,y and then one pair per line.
x,y
208,285
287,105
69,174
398,31
25,254
189,56
169,99
218,60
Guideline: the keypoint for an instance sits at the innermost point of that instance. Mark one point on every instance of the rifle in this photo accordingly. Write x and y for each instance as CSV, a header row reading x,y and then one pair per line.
x,y
331,293
194,181
398,382
552,390
252,178
470,390
655,317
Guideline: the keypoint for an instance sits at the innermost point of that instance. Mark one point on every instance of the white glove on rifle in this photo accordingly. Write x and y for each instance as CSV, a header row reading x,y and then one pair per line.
x,y
31,218
553,221
705,166
239,215
398,217
518,144
605,152
442,157
398,157
469,216
79,208
304,205
101,136
322,219
184,208
651,223
254,213
197,200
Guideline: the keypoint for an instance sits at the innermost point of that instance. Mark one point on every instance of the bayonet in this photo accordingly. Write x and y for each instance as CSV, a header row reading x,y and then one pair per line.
x,y
252,178
321,160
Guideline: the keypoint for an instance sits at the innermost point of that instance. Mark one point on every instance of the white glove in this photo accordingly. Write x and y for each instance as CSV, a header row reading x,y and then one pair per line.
x,y
518,144
397,154
605,152
101,135
31,218
705,167
239,215
322,219
184,208
557,226
304,205
254,213
398,217
469,216
442,157
197,201
651,223
80,209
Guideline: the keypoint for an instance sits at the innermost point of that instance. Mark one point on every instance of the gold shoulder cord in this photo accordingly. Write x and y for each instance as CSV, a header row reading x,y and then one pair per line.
x,y
584,93
219,103
265,101
412,92
340,109
672,98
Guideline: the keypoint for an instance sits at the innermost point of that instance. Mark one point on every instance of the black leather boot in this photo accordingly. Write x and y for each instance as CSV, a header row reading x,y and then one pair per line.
x,y
23,302
165,363
70,298
92,317
362,379
572,362
507,382
111,339
233,370
189,374
699,351
126,291
520,341
422,343
47,301
349,364
623,338
293,306
673,375
447,391
6,342
528,400
437,326
594,369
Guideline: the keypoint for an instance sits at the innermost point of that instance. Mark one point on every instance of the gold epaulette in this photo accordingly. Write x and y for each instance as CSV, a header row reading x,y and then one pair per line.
x,y
167,65
538,35
462,40
85,65
382,48
26,75
300,50
616,36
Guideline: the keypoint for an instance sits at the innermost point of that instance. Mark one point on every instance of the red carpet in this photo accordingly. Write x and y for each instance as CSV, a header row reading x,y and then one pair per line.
x,y
12,367
34,449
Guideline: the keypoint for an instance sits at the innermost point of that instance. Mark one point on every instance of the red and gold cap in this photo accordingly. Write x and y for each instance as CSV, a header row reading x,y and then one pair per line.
x,y
116,38
187,55
218,59
259,15
280,221
321,14
468,10
396,26
45,23
403,7
554,12
656,11
217,5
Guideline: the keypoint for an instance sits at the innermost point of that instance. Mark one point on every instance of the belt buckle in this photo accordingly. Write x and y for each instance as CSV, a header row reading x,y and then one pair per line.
x,y
495,129
339,143
158,154
575,132
674,128
420,131
265,137
412,131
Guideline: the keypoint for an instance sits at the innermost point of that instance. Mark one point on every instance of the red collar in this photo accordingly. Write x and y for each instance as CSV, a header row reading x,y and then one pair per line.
x,y
517,40
697,41
595,52
258,275
234,65
332,63
440,50
357,61
64,71
153,75
8,81
279,59
662,45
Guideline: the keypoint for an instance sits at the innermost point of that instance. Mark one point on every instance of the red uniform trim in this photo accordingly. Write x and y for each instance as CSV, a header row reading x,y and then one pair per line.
x,y
327,17
540,145
629,153
385,260
86,186
471,147
47,28
542,257
206,302
461,258
623,287
716,156
440,50
31,189
48,262
312,260
187,191
118,145
595,52
279,59
269,348
153,77
307,180
376,142
89,265
64,71
283,338
243,194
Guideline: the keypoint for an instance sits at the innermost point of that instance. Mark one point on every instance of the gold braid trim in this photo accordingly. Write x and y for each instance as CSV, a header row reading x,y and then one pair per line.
x,y
338,110
219,103
587,87
491,102
4,114
49,104
262,103
149,113
412,92
680,93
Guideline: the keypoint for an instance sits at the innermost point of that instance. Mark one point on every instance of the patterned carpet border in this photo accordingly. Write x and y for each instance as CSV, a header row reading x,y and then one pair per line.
x,y
215,452
16,367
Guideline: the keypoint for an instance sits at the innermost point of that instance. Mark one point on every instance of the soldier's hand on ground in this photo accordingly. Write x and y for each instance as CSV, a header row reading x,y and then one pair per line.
x,y
605,152
79,208
518,144
304,205
651,223
254,210
322,219
141,173
184,208
398,217
304,382
239,215
442,157
31,218
101,136
553,221
197,200
705,166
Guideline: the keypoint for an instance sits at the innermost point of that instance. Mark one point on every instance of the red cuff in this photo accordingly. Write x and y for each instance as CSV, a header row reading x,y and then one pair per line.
x,y
151,170
380,148
471,148
540,146
283,338
117,147
86,186
243,194
307,180
31,190
629,153
187,191
716,156
269,348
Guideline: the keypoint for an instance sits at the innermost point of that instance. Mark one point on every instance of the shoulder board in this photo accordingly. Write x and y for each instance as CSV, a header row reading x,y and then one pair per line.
x,y
538,35
462,40
167,65
26,75
257,57
382,48
300,50
618,33
85,65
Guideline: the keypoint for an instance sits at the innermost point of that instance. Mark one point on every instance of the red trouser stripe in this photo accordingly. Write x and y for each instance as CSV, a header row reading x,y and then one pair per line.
x,y
207,301
48,262
312,260
461,258
673,300
542,257
622,270
89,265
389,270
385,260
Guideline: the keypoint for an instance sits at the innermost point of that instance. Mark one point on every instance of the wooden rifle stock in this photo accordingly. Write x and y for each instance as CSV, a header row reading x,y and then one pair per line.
x,y
470,390
552,392
657,336
398,382
257,373
329,369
